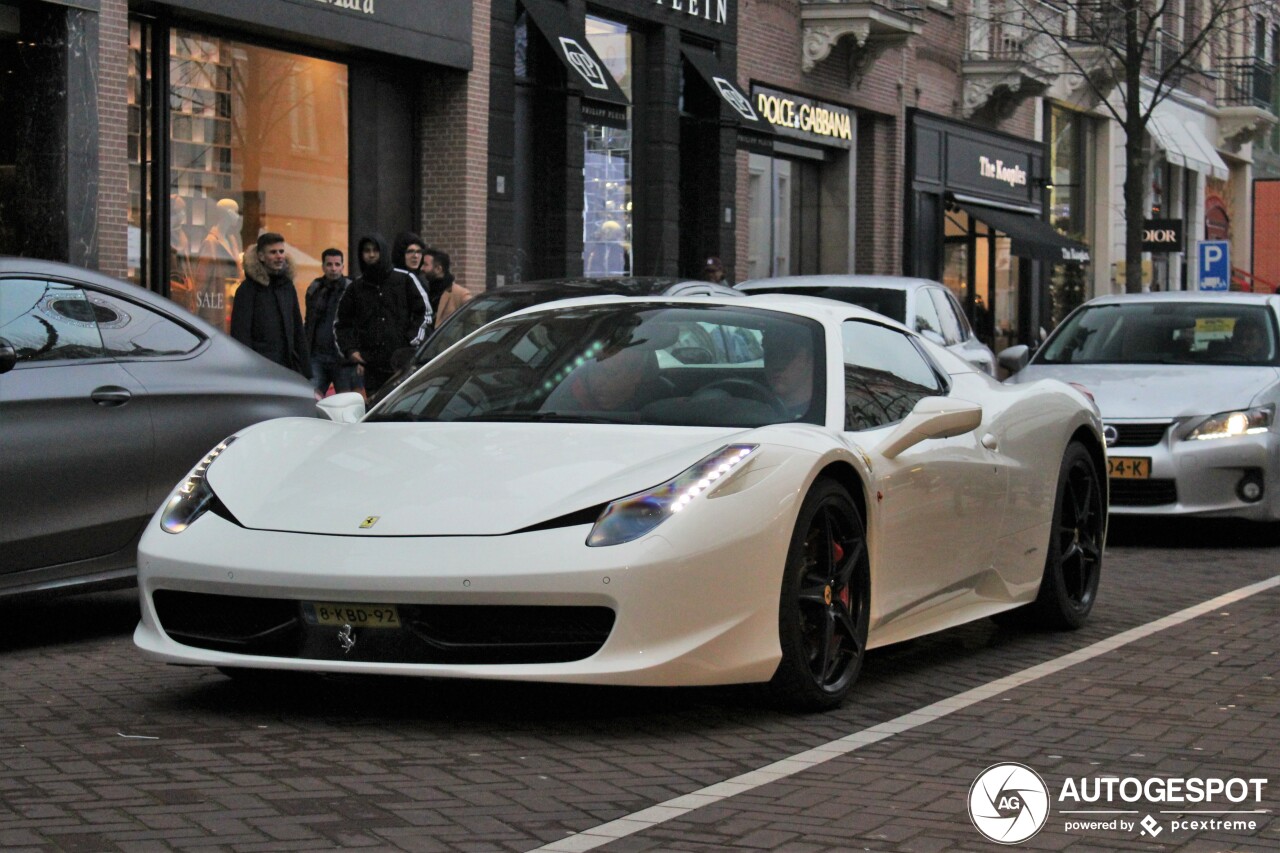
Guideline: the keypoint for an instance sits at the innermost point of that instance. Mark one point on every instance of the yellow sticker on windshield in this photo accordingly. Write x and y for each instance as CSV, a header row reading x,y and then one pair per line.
x,y
1215,325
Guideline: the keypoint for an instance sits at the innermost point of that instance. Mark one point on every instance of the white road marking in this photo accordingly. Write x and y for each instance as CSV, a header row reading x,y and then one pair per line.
x,y
672,809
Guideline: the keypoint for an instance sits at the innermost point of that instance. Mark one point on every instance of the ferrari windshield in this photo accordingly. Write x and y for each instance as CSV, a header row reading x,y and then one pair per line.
x,y
649,363
1164,332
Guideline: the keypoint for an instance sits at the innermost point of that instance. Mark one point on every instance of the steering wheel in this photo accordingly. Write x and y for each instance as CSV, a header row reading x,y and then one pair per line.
x,y
746,389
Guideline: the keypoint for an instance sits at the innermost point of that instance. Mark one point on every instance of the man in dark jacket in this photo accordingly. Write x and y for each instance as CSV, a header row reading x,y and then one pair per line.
x,y
382,311
264,312
323,295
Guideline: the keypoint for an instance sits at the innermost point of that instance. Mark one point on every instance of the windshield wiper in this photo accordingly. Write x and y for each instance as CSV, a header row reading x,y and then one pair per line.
x,y
544,417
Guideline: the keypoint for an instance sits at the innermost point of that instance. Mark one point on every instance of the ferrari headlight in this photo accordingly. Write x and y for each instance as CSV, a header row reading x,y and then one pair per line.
x,y
194,496
1231,424
635,515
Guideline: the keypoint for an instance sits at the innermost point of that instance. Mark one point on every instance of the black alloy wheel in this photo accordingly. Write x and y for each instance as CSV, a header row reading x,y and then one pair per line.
x,y
826,602
1073,565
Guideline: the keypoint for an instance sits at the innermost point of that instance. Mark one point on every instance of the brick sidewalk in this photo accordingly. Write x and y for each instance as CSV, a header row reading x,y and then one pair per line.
x,y
398,764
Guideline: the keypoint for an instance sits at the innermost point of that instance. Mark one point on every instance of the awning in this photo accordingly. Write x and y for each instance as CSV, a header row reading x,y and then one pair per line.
x,y
754,130
1032,237
1185,144
568,40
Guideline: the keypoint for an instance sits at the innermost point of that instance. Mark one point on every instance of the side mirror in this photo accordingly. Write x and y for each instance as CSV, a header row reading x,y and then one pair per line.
x,y
8,358
933,417
933,337
345,408
1014,358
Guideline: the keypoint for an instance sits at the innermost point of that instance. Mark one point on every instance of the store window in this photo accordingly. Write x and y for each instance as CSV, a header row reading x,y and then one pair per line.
x,y
257,141
139,147
1068,283
607,215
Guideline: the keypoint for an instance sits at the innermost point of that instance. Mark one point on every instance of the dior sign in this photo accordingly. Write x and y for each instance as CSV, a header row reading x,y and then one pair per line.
x,y
1162,235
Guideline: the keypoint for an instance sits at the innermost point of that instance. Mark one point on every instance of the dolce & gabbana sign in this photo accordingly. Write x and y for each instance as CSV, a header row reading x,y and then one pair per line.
x,y
804,118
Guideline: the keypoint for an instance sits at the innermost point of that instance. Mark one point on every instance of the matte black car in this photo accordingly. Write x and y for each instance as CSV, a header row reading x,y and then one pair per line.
x,y
109,395
501,301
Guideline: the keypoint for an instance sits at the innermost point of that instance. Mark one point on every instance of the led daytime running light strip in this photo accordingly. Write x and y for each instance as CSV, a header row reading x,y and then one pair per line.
x,y
197,473
711,476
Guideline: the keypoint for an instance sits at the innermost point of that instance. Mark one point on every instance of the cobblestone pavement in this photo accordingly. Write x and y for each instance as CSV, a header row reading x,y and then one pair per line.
x,y
103,751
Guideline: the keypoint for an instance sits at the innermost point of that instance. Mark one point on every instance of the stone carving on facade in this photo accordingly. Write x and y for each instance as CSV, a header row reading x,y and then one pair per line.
x,y
869,29
1240,126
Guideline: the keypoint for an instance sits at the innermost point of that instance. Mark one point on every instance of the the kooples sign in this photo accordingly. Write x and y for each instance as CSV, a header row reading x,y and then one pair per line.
x,y
1162,235
803,118
713,11
1006,173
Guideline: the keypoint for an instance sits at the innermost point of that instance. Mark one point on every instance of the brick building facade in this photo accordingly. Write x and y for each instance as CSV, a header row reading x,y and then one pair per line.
x,y
160,154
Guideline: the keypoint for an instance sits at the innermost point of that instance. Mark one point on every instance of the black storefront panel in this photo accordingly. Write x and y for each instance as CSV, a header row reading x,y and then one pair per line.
x,y
435,31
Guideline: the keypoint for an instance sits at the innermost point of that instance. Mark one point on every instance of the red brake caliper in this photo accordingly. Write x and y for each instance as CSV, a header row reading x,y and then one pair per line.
x,y
838,553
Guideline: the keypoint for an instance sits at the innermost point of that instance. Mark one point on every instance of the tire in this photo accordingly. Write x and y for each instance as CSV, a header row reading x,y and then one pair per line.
x,y
1073,565
825,604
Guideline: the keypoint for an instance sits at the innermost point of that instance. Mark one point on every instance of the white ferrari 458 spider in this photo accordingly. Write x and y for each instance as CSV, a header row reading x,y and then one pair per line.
x,y
651,491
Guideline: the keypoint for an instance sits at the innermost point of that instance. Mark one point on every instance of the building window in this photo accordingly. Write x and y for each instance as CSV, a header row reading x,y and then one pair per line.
x,y
246,156
1068,283
606,213
139,153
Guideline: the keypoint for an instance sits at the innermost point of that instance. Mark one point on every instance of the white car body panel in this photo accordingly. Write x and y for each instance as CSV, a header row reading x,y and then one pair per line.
x,y
957,528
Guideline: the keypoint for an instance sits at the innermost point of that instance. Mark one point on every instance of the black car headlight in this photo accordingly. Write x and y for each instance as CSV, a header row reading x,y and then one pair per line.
x,y
635,515
194,496
1232,424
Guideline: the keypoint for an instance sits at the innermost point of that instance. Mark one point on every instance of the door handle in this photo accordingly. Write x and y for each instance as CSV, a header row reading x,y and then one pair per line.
x,y
111,395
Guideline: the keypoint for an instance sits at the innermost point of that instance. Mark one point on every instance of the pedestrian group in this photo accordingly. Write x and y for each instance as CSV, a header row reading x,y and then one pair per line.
x,y
357,331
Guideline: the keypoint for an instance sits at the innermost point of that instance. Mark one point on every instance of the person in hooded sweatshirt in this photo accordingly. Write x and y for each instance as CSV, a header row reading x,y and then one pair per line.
x,y
406,253
264,311
382,311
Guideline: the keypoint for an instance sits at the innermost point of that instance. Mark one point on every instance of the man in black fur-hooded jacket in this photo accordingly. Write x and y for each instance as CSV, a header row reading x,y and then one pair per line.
x,y
264,312
382,311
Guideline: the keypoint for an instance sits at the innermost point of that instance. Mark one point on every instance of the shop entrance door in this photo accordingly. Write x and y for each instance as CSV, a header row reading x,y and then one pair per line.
x,y
981,271
785,203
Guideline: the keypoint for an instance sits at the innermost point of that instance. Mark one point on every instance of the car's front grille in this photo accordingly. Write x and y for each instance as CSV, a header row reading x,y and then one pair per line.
x,y
1143,492
1139,435
429,633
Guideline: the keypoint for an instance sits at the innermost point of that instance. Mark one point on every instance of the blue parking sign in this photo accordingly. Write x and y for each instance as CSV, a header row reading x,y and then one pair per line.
x,y
1215,265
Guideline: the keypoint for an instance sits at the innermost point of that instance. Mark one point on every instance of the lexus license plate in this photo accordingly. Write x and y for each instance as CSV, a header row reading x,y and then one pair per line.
x,y
1128,467
355,615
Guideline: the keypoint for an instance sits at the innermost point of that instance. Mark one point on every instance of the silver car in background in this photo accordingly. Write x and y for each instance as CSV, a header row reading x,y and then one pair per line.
x,y
1188,384
926,307
109,395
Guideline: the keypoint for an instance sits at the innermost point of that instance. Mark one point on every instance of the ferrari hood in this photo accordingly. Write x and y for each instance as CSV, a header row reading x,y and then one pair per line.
x,y
461,479
1160,391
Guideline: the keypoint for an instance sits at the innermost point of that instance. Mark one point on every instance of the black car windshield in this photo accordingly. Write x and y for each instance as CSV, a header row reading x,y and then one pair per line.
x,y
649,363
883,301
1164,332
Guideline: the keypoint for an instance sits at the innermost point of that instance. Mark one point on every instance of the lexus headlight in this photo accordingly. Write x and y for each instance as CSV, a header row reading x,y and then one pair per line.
x,y
194,496
635,515
1231,424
